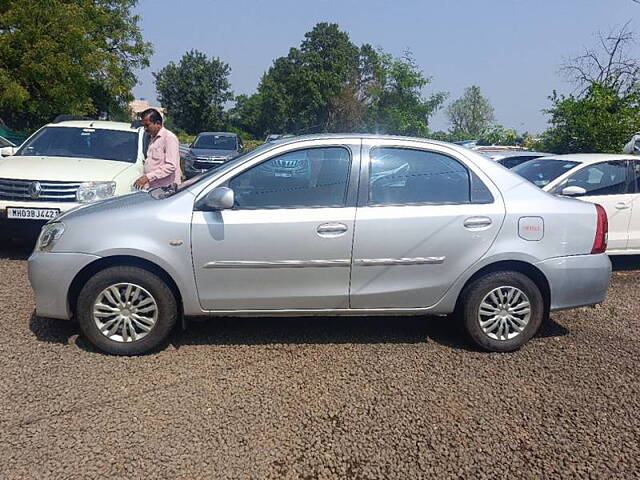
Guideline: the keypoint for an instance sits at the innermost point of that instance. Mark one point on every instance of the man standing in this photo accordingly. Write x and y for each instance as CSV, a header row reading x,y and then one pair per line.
x,y
162,166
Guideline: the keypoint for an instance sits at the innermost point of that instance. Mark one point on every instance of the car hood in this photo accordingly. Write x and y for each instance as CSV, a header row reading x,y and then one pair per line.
x,y
60,168
123,201
206,152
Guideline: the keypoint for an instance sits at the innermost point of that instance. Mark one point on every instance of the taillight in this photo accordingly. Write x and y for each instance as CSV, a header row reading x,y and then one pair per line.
x,y
602,231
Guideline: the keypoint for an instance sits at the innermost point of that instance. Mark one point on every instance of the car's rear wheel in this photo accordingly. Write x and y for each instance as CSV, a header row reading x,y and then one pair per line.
x,y
501,311
126,310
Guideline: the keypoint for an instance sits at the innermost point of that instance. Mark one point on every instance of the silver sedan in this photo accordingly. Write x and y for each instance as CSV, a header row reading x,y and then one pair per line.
x,y
326,225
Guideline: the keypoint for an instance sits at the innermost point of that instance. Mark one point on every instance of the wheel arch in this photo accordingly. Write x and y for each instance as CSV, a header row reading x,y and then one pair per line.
x,y
119,260
527,269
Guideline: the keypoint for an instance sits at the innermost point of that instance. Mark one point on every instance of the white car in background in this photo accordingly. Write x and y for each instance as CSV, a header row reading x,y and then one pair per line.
x,y
612,181
65,164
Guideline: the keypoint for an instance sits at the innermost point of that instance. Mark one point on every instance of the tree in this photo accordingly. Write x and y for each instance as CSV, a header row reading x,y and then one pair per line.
x,y
64,56
329,84
609,63
470,115
397,106
194,92
600,121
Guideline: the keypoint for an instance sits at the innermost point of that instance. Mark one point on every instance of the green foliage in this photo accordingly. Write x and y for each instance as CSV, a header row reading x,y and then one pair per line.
x,y
194,92
600,121
329,84
64,56
470,115
499,135
397,106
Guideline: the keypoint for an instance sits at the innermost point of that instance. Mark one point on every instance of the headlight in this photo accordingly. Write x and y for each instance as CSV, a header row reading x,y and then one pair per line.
x,y
49,236
94,191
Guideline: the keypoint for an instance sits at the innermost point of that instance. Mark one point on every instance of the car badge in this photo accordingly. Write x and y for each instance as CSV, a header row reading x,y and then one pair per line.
x,y
34,190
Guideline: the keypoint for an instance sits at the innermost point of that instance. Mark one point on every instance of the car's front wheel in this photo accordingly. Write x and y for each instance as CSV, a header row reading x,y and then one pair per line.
x,y
501,311
126,310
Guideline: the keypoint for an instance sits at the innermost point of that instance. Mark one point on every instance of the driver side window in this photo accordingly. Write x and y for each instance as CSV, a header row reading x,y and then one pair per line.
x,y
607,178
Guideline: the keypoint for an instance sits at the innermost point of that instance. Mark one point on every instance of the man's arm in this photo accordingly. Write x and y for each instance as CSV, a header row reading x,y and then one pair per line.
x,y
171,160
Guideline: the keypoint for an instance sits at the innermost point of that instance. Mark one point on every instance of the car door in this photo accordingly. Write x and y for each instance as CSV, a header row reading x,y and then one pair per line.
x,y
634,221
607,184
424,216
287,242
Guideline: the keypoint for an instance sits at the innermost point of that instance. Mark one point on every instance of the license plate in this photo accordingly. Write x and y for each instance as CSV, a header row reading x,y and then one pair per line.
x,y
32,213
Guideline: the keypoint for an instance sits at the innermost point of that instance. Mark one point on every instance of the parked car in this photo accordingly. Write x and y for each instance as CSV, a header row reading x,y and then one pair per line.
x,y
272,137
5,143
210,150
66,164
633,147
512,158
375,225
612,181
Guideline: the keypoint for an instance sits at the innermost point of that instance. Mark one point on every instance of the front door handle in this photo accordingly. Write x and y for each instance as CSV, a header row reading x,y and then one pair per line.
x,y
477,222
331,229
622,206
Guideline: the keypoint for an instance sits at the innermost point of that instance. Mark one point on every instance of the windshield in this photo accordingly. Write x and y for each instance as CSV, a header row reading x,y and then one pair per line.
x,y
121,146
216,142
5,143
543,172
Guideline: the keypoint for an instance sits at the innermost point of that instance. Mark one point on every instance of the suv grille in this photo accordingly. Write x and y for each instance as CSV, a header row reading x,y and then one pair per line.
x,y
204,163
38,190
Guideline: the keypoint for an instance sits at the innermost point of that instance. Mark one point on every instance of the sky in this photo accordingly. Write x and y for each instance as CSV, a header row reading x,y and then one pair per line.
x,y
511,49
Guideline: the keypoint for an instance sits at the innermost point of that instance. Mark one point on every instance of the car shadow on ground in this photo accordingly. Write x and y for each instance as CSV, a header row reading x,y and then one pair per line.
x,y
16,250
296,331
625,262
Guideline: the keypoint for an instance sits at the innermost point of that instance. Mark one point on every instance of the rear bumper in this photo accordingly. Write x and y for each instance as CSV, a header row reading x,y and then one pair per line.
x,y
51,275
578,280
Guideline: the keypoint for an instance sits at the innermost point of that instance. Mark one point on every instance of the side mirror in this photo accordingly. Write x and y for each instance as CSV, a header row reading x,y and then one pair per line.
x,y
573,191
8,151
220,198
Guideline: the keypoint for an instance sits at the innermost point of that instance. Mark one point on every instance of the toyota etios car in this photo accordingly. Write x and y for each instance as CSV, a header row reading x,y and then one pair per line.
x,y
326,225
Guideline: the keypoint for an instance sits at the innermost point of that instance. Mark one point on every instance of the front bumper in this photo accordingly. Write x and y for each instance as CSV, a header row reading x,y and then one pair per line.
x,y
51,275
578,280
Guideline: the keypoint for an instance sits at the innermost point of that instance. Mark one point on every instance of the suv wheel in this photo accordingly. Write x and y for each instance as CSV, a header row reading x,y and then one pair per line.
x,y
126,310
501,311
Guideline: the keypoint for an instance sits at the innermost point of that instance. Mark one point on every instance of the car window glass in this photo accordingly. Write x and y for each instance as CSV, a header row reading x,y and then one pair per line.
x,y
607,178
636,175
315,177
76,142
543,172
215,142
405,176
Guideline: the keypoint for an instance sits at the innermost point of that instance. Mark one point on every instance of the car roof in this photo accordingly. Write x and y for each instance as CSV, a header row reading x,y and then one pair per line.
x,y
329,136
589,157
514,153
227,134
101,124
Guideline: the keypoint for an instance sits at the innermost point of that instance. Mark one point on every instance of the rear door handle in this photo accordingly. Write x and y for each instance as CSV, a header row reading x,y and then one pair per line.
x,y
477,222
622,206
331,229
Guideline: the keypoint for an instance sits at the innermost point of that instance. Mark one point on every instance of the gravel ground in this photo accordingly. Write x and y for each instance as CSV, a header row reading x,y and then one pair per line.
x,y
322,398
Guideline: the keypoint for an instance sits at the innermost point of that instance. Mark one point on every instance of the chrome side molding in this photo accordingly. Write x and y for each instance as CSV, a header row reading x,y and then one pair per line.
x,y
378,262
278,264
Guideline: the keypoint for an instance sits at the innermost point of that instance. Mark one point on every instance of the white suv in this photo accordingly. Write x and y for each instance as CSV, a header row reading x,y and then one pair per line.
x,y
66,164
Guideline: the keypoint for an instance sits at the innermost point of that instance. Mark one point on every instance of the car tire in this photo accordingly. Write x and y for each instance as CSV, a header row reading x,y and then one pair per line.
x,y
137,321
493,310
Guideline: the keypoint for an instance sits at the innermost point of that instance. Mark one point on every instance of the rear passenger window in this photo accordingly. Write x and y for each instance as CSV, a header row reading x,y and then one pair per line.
x,y
405,176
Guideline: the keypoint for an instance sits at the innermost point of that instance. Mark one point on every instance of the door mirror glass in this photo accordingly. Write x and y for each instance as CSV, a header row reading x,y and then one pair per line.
x,y
7,151
573,191
220,198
